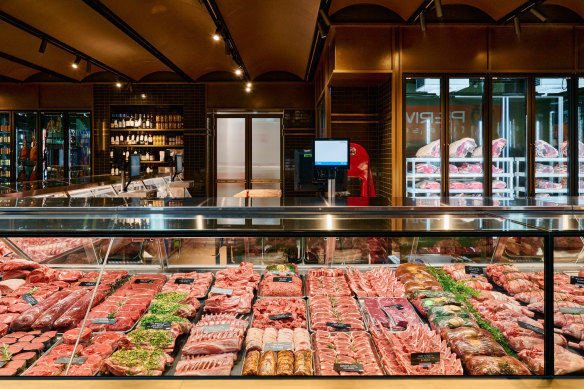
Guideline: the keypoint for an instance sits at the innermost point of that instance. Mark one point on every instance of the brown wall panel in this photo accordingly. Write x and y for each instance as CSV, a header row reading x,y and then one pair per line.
x,y
444,49
579,37
363,48
264,96
538,48
66,96
18,96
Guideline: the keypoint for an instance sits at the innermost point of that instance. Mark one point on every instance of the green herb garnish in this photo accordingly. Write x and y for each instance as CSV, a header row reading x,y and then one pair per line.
x,y
171,297
156,338
5,355
162,308
150,359
152,318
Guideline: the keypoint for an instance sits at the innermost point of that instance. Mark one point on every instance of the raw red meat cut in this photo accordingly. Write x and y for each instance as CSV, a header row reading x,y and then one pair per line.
x,y
8,275
270,288
70,337
560,168
18,264
462,147
498,146
208,365
431,150
565,362
204,343
426,184
327,282
264,308
498,184
46,321
378,282
545,150
344,348
471,168
487,365
343,311
396,314
452,168
497,170
73,316
457,185
11,285
197,289
474,185
426,168
25,321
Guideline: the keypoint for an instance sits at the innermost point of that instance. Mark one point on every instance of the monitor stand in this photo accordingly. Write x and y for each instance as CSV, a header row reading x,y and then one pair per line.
x,y
331,186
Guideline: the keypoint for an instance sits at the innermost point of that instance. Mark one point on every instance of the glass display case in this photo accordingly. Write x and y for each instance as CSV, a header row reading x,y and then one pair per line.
x,y
53,148
5,147
25,128
79,144
420,288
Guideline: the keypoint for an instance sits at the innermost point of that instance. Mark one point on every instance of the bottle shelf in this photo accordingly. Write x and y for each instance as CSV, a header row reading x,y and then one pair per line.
x,y
152,146
148,129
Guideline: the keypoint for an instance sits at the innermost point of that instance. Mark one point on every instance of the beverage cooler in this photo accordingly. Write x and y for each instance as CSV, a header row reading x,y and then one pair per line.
x,y
5,149
448,158
26,155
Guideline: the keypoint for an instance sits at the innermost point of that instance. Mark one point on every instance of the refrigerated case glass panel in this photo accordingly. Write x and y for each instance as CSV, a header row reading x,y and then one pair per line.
x,y
423,123
79,124
5,147
509,134
52,125
551,136
265,149
580,124
25,126
230,148
465,156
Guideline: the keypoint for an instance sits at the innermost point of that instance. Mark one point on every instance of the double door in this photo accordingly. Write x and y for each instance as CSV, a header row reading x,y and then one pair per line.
x,y
248,153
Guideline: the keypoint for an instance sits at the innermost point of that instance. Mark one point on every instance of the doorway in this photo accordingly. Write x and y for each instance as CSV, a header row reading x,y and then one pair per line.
x,y
248,153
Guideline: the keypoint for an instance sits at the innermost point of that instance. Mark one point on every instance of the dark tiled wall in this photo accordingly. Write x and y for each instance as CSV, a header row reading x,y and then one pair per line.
x,y
191,97
363,114
298,134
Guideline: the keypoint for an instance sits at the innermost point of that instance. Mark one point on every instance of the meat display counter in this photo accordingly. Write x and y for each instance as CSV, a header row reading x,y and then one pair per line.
x,y
191,287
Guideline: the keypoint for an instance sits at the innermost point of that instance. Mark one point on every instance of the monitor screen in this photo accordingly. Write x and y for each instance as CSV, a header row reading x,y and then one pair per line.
x,y
134,165
331,153
179,163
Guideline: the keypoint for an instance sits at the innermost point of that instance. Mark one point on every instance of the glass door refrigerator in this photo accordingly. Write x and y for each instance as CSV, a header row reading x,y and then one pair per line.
x,y
79,129
5,148
53,145
26,153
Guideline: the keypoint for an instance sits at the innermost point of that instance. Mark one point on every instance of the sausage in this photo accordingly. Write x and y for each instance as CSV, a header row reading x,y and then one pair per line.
x,y
27,318
251,364
303,363
45,321
267,363
285,364
73,316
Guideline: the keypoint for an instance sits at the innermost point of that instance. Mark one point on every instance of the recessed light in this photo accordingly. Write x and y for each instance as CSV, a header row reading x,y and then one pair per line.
x,y
248,85
238,72
143,95
75,63
119,84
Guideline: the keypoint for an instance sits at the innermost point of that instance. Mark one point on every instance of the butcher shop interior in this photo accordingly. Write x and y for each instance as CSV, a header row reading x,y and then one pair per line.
x,y
292,189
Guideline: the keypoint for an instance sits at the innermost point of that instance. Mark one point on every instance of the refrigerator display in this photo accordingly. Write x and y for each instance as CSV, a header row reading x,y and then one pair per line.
x,y
53,151
5,147
580,128
25,126
79,124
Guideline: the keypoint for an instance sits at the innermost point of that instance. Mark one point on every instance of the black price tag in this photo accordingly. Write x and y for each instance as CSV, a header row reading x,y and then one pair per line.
x,y
424,359
216,328
282,279
87,283
2,363
75,361
104,320
184,281
159,325
143,281
281,316
578,281
224,291
530,327
29,299
474,271
399,307
339,325
572,310
278,346
354,367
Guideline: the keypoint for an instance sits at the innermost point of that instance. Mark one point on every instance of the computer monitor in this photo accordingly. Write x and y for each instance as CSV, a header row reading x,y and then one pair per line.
x,y
331,153
308,178
134,165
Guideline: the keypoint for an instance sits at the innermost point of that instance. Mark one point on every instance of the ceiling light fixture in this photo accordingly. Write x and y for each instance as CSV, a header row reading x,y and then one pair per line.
x,y
143,95
517,26
118,84
538,15
438,6
322,31
217,35
248,89
238,72
325,18
248,85
43,46
423,21
75,63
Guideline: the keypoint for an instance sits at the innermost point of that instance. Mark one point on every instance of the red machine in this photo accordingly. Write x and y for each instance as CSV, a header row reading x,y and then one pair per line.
x,y
360,168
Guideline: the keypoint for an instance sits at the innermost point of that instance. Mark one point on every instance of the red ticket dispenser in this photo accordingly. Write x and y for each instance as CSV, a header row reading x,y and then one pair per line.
x,y
361,168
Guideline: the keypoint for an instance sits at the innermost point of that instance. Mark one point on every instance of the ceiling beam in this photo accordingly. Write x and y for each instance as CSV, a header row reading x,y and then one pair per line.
x,y
215,13
8,79
114,19
62,45
317,43
426,5
523,8
36,67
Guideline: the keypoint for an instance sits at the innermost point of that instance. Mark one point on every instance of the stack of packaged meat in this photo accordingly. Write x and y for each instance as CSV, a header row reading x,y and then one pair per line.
x,y
279,312
195,284
458,273
283,352
212,346
233,290
378,282
19,350
345,353
398,351
327,282
329,313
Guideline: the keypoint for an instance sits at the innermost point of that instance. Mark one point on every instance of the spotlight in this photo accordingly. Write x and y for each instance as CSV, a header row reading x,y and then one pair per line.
x,y
538,14
217,35
238,72
423,21
75,63
325,18
517,26
248,85
43,46
438,5
118,84
322,31
143,95
248,89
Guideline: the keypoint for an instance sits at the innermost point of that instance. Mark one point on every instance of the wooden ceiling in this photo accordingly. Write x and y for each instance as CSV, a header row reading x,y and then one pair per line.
x,y
171,40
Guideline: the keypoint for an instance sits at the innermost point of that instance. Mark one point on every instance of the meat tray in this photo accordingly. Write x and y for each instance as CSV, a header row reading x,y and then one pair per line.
x,y
307,285
316,363
366,316
57,343
238,367
251,319
365,324
302,279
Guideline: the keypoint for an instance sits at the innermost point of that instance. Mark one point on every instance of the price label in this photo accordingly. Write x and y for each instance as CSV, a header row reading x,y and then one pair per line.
x,y
29,299
159,325
75,361
282,279
339,325
424,359
399,307
530,327
354,367
143,281
216,328
2,363
474,271
278,346
184,281
572,311
224,291
281,316
578,281
104,320
87,283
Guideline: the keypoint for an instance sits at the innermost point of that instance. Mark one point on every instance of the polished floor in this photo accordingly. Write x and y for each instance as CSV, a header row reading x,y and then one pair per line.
x,y
299,384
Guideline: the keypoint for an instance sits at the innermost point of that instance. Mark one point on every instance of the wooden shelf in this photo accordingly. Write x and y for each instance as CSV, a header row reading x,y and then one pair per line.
x,y
145,162
147,129
353,121
355,114
151,146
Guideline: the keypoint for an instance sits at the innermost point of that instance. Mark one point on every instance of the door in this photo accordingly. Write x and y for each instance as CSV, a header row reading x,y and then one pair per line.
x,y
53,149
248,153
5,142
25,126
79,128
